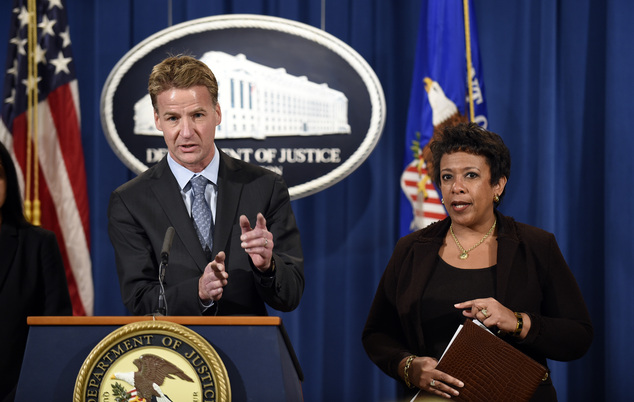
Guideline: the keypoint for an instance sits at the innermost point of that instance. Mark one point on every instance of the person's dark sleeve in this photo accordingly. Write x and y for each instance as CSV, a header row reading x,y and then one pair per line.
x,y
383,337
562,330
283,289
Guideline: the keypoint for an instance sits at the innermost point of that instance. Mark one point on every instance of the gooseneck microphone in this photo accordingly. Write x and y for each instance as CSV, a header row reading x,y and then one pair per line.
x,y
167,245
165,254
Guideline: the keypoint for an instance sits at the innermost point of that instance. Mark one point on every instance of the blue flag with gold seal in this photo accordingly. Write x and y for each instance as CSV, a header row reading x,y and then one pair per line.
x,y
447,88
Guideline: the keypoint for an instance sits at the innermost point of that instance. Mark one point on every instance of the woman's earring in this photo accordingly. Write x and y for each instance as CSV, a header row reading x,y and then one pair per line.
x,y
496,198
442,201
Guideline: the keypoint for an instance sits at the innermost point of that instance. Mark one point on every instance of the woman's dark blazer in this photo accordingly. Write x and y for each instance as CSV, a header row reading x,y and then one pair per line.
x,y
32,283
532,277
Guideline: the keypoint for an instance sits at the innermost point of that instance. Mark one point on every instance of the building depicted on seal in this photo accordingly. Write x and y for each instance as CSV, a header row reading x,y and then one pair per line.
x,y
259,102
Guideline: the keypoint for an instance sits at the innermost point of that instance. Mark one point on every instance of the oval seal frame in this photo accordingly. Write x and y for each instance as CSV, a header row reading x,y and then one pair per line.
x,y
195,369
305,57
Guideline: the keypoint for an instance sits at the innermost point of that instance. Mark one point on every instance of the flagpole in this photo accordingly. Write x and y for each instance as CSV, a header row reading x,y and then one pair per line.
x,y
467,33
28,212
32,204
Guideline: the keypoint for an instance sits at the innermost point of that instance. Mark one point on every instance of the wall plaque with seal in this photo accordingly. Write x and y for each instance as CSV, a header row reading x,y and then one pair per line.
x,y
294,99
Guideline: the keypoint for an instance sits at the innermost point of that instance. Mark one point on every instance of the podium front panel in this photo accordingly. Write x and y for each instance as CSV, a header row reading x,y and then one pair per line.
x,y
257,358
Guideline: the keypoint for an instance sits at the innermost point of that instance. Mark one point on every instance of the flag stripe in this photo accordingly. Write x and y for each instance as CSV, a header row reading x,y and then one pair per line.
x,y
66,121
74,234
434,216
50,221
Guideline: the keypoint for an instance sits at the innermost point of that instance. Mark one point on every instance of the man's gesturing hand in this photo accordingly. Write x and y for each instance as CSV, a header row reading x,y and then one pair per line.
x,y
257,242
213,280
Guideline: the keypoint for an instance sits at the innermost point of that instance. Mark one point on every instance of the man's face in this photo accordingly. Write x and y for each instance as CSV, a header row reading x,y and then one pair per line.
x,y
188,120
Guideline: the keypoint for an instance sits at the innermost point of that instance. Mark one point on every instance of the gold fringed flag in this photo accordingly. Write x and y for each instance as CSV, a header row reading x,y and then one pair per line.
x,y
447,88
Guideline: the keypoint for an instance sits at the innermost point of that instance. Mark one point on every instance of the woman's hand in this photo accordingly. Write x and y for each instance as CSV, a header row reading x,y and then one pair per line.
x,y
493,314
422,373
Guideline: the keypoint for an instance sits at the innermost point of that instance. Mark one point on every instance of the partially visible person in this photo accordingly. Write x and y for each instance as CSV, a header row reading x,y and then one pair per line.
x,y
475,264
237,247
32,277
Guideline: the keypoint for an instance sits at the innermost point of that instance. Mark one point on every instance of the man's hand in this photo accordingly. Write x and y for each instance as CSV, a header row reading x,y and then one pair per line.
x,y
257,242
211,283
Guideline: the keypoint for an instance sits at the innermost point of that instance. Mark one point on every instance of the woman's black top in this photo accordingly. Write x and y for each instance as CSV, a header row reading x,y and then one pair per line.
x,y
447,286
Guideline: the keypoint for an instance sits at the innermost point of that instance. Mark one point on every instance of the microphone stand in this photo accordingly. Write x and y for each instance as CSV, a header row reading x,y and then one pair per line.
x,y
165,252
162,306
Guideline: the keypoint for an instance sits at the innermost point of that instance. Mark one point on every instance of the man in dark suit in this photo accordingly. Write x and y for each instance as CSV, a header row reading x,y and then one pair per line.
x,y
219,262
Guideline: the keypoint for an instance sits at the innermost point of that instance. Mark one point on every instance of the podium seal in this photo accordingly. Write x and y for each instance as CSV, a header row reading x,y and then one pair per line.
x,y
153,361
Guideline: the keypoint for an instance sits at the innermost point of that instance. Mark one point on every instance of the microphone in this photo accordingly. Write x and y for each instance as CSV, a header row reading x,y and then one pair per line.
x,y
167,244
165,253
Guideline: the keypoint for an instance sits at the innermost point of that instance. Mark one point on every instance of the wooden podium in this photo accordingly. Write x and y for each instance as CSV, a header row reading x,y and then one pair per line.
x,y
256,352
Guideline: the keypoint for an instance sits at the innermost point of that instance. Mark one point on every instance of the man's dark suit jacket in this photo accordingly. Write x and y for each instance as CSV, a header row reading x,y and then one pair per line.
x,y
141,210
32,283
532,277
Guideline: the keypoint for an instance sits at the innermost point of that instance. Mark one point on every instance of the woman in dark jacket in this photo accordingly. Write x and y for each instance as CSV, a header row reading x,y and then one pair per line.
x,y
32,277
475,264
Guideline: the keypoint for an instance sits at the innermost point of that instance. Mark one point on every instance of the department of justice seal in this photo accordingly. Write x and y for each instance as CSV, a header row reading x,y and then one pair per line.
x,y
153,361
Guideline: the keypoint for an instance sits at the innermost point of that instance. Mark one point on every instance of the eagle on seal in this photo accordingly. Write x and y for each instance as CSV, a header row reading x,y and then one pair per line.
x,y
152,372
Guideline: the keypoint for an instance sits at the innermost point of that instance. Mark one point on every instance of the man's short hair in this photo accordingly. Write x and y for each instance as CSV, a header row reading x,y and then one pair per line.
x,y
181,72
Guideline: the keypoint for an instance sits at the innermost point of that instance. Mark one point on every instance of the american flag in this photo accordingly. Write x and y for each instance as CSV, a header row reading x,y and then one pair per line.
x,y
44,135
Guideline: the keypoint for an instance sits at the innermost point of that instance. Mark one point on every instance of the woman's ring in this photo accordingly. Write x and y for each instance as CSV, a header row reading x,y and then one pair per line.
x,y
432,383
266,242
485,313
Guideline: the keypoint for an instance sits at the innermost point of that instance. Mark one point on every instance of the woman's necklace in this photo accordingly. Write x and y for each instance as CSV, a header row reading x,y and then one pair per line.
x,y
465,253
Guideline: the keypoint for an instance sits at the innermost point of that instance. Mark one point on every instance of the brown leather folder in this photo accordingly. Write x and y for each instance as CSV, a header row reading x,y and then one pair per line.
x,y
491,369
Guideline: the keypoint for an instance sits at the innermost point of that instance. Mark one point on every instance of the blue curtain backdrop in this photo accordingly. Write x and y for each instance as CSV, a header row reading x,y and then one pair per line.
x,y
559,87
